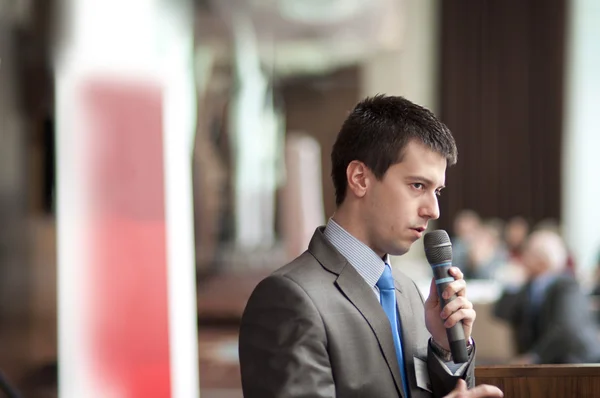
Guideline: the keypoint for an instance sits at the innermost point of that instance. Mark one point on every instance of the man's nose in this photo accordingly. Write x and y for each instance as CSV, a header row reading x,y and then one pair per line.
x,y
430,209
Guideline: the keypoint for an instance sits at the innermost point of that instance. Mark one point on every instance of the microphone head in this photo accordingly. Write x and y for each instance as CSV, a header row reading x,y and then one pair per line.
x,y
438,248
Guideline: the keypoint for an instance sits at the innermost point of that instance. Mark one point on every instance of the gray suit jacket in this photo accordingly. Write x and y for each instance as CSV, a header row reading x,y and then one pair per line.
x,y
561,331
314,329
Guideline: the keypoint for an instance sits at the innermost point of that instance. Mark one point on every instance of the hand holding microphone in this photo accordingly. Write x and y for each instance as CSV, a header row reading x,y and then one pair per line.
x,y
481,391
449,315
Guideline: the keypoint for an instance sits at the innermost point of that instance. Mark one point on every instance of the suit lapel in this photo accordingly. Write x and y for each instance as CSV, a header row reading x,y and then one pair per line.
x,y
361,295
354,287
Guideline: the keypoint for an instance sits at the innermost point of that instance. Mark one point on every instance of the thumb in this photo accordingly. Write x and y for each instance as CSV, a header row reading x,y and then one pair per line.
x,y
461,386
433,295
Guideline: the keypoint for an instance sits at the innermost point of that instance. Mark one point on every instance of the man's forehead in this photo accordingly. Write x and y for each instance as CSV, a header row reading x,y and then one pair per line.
x,y
427,165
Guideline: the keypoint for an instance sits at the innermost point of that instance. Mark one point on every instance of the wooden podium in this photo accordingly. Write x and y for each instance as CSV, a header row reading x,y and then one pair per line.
x,y
543,381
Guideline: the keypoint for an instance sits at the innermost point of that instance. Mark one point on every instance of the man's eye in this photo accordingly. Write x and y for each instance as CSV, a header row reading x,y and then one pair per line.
x,y
438,192
417,185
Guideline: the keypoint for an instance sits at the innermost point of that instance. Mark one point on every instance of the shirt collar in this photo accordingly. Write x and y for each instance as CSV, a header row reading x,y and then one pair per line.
x,y
366,262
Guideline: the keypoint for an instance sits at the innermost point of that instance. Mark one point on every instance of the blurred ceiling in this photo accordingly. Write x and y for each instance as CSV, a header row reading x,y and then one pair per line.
x,y
304,36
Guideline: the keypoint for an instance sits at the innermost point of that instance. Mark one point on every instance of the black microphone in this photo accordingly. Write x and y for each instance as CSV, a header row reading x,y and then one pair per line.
x,y
438,251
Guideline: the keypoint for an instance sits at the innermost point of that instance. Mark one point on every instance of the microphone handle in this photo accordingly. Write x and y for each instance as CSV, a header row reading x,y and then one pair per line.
x,y
456,334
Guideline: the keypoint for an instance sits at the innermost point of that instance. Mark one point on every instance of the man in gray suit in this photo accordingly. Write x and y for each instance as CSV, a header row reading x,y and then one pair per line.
x,y
322,326
550,315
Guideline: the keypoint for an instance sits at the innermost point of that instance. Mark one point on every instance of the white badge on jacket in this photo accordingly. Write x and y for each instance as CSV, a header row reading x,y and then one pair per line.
x,y
422,374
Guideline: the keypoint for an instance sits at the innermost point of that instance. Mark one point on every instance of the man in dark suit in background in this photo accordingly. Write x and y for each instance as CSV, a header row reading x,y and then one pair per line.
x,y
550,315
335,322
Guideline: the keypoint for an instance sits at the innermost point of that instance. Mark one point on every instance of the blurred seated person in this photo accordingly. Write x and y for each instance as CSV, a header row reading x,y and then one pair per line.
x,y
487,253
515,235
516,232
466,226
595,292
596,287
549,314
550,224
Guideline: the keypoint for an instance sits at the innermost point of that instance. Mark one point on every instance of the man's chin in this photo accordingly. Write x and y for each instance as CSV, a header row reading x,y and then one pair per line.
x,y
399,250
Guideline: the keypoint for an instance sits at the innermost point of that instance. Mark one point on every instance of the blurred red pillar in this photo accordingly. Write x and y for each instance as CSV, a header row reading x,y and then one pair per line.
x,y
127,318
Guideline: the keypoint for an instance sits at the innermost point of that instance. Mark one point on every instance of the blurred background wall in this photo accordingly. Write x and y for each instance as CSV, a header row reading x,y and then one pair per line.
x,y
516,82
502,93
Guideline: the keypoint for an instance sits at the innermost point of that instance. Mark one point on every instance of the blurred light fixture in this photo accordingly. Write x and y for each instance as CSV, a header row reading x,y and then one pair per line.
x,y
320,11
313,36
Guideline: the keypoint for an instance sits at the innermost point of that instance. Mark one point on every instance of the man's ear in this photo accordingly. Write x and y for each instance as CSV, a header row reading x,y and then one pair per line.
x,y
358,177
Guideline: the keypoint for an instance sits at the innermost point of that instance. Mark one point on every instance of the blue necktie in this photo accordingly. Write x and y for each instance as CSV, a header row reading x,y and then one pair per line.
x,y
388,302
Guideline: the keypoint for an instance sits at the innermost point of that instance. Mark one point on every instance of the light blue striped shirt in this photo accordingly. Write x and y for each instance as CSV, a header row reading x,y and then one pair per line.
x,y
366,262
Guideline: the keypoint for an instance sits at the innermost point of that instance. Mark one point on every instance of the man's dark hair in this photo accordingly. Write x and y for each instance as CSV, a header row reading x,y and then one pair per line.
x,y
376,133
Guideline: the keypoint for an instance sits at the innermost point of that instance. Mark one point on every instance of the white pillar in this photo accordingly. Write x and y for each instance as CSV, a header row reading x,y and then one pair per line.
x,y
581,160
125,111
257,133
180,113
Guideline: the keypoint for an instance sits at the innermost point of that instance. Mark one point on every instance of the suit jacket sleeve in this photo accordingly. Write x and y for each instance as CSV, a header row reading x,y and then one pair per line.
x,y
283,345
510,305
563,331
442,381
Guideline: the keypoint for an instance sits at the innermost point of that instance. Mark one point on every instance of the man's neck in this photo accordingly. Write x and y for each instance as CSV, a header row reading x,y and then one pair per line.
x,y
352,224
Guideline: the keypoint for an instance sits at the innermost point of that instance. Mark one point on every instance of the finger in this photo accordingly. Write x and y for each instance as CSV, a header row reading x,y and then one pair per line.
x,y
485,391
466,315
455,305
458,287
456,273
461,386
